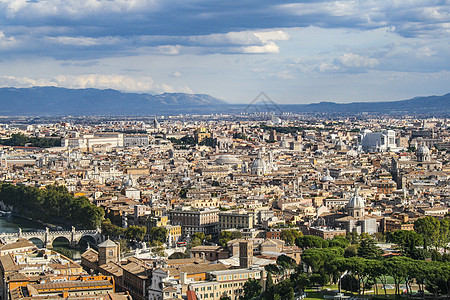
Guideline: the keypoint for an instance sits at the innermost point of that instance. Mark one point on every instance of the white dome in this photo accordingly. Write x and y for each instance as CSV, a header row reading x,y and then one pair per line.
x,y
356,201
259,166
327,177
423,153
227,159
423,150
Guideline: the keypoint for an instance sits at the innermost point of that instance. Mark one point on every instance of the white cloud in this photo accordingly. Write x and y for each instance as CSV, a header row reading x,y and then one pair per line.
x,y
83,41
176,74
98,81
350,60
270,47
166,50
6,42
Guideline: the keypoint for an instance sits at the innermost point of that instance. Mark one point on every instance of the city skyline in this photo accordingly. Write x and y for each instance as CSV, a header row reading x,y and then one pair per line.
x,y
339,51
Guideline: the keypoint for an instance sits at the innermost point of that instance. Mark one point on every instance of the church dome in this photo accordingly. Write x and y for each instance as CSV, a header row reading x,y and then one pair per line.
x,y
356,201
127,182
259,166
327,177
423,150
227,159
423,153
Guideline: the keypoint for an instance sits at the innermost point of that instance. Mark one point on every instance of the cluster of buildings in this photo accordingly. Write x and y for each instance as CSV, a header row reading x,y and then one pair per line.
x,y
209,174
31,273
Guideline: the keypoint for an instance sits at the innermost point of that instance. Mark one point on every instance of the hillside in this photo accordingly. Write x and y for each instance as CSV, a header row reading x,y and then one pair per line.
x,y
52,101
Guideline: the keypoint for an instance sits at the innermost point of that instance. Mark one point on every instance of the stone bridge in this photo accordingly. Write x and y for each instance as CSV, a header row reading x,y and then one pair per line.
x,y
48,237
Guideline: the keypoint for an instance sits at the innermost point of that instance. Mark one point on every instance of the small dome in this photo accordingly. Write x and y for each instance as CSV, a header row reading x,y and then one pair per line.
x,y
424,150
340,145
127,182
327,177
356,201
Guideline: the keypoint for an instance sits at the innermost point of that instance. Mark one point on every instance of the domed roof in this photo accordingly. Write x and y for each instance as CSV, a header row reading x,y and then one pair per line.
x,y
127,182
259,166
327,177
423,150
227,159
356,201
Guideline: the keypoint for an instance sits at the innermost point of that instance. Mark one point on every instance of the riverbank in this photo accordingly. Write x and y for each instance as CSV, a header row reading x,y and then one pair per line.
x,y
43,224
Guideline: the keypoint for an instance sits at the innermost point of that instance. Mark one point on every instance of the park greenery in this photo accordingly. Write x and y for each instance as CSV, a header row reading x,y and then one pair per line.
x,y
355,264
52,204
19,139
134,233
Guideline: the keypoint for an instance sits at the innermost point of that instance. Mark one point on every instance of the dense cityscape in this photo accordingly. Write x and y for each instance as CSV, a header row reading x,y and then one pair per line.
x,y
248,206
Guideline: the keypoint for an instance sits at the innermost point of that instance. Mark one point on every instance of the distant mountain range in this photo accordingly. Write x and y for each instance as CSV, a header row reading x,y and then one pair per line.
x,y
60,101
51,101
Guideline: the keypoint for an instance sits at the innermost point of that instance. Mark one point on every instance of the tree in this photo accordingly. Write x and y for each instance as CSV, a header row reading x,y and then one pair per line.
x,y
136,233
268,292
368,249
273,269
398,268
284,289
444,233
285,264
157,235
316,258
252,289
111,230
352,237
350,283
289,236
226,236
301,281
405,238
351,251
338,241
429,228
319,279
310,241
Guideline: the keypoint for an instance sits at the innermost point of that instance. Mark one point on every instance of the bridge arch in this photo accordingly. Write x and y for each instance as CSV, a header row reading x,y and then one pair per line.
x,y
47,237
86,240
37,241
60,241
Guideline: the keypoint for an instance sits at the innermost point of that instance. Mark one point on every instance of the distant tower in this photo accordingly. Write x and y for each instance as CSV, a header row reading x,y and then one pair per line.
x,y
245,254
155,123
108,251
356,205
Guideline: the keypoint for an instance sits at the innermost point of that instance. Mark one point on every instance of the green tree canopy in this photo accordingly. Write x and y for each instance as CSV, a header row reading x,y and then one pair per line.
x,y
429,228
226,236
252,289
289,236
310,241
136,233
157,235
368,249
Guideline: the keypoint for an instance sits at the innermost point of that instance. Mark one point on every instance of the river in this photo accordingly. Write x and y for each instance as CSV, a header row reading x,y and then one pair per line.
x,y
11,224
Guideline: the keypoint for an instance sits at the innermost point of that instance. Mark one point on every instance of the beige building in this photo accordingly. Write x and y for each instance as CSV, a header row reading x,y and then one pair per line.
x,y
226,283
235,219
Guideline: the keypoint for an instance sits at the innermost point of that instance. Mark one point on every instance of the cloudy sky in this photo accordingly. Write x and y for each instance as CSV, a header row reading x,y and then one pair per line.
x,y
294,51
